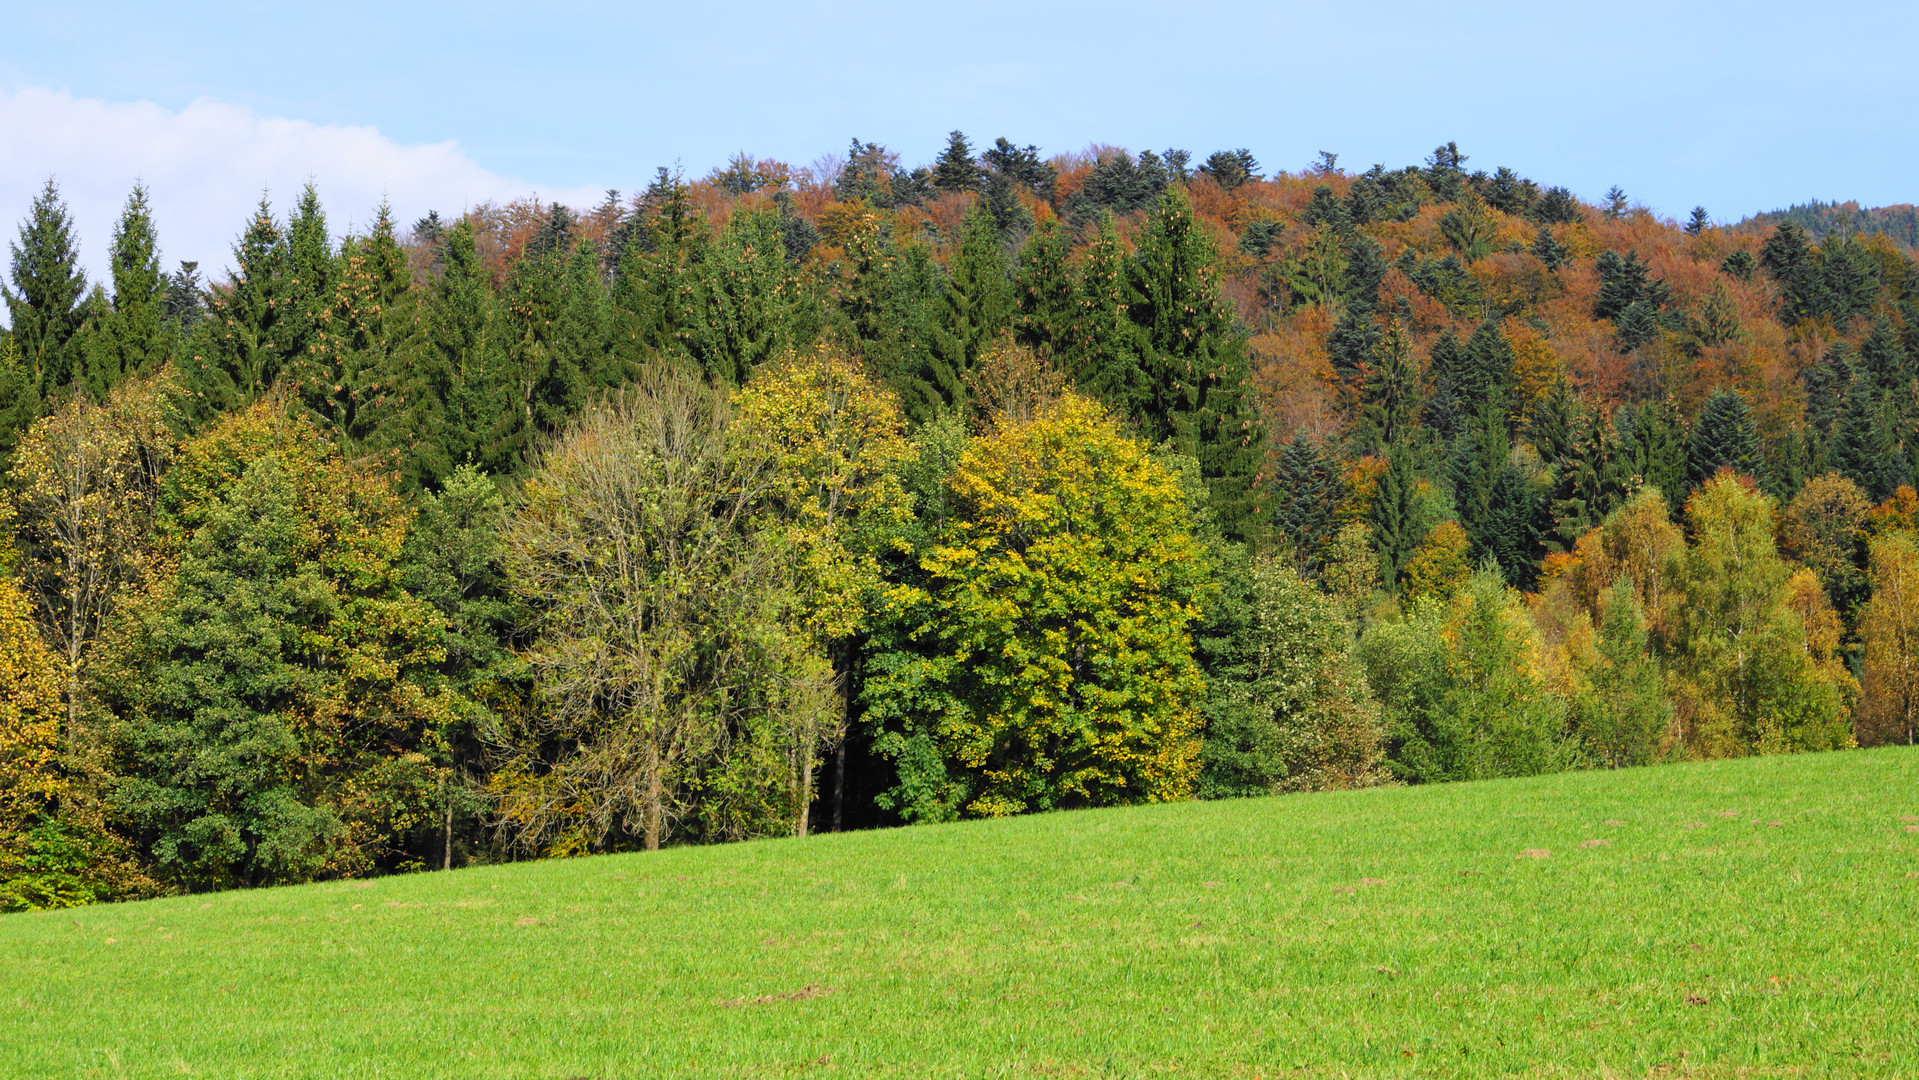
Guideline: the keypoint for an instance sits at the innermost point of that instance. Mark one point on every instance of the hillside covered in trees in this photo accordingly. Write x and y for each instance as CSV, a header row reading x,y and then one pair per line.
x,y
787,499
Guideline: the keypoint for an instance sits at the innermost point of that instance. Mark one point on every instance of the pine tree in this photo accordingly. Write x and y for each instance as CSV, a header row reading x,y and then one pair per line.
x,y
235,352
1652,448
1450,403
1397,528
456,406
979,300
1196,362
1883,358
1863,447
955,169
1790,259
1723,436
758,308
1047,302
43,306
1479,455
370,338
1353,343
1390,397
1104,358
1308,491
1548,249
1699,222
1489,366
134,337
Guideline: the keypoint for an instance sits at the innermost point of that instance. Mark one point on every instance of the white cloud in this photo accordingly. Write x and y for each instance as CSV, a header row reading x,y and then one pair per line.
x,y
206,165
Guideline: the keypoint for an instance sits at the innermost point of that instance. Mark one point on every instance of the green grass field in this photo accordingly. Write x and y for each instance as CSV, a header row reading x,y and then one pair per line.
x,y
1754,918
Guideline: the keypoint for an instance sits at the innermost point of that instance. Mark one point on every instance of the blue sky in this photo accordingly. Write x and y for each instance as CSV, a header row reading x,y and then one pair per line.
x,y
1740,108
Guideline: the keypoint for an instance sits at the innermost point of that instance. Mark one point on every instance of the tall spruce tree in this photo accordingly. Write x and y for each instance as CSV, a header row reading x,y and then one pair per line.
x,y
236,352
955,169
1308,491
1043,290
43,306
1724,436
1863,448
1395,517
1390,398
1105,357
135,336
1196,362
979,302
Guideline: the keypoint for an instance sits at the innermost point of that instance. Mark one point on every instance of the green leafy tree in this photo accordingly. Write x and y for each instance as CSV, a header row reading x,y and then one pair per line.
x,y
277,731
1307,721
1047,660
1461,689
1620,713
1744,677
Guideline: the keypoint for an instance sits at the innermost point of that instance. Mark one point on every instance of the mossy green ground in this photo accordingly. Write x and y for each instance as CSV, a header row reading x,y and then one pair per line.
x,y
1749,918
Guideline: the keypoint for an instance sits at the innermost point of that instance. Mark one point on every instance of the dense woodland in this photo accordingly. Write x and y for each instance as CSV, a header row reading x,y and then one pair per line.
x,y
798,499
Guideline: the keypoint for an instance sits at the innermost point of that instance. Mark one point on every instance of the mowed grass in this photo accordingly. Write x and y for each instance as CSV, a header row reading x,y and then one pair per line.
x,y
1751,918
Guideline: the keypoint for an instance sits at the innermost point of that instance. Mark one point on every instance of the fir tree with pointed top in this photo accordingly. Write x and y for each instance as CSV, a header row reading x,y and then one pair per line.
x,y
134,337
1724,436
1395,513
235,354
1548,249
1450,401
1353,343
43,306
370,339
1699,222
1196,363
1308,492
955,169
1652,447
1104,356
1043,290
1389,401
1883,358
1863,448
979,303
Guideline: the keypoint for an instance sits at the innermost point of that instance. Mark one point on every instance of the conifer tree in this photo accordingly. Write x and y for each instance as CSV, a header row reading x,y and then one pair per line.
x,y
236,353
955,169
1353,343
134,338
1724,436
1652,447
1308,491
1397,528
1196,362
1451,402
456,407
43,306
1043,290
1699,222
979,302
1105,357
1864,449
369,339
1390,397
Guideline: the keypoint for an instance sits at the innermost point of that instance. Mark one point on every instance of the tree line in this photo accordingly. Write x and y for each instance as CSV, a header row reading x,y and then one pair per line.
x,y
788,499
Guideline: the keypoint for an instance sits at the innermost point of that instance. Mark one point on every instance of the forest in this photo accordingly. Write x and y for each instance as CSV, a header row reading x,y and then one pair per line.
x,y
794,499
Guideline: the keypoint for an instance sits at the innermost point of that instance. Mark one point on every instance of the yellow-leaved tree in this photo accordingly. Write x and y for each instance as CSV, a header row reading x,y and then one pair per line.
x,y
1039,655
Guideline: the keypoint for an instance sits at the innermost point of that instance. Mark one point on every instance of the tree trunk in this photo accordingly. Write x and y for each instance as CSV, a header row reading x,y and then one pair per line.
x,y
446,841
653,798
839,782
806,792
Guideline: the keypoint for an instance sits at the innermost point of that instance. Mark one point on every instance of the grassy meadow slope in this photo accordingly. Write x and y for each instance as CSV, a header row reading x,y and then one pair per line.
x,y
1745,918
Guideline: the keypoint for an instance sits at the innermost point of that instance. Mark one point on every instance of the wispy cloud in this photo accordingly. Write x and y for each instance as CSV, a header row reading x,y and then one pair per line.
x,y
206,165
